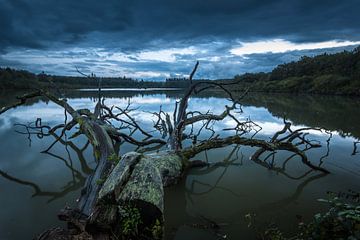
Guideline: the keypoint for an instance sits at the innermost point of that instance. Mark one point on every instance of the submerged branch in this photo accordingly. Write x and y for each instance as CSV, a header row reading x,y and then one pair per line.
x,y
268,146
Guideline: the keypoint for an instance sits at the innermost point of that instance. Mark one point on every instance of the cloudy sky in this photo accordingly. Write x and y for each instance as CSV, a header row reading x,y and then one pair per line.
x,y
155,39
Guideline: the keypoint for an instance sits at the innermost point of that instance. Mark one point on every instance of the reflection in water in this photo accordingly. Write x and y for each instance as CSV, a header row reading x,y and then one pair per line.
x,y
211,201
78,179
73,185
355,151
218,170
334,113
292,198
226,163
38,129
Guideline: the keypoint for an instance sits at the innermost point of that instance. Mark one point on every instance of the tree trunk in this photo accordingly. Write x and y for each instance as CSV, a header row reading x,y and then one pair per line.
x,y
128,203
134,194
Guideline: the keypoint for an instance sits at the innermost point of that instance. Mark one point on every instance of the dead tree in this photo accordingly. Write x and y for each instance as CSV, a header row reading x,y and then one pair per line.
x,y
123,198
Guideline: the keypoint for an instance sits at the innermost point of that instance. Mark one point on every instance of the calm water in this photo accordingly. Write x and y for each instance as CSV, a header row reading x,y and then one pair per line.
x,y
35,185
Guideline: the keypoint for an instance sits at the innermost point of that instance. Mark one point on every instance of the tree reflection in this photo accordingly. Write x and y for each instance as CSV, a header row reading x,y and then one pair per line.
x,y
227,162
230,162
355,150
235,159
293,197
78,178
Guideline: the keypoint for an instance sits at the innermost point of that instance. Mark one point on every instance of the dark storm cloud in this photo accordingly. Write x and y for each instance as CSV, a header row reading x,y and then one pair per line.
x,y
249,19
38,23
162,38
129,24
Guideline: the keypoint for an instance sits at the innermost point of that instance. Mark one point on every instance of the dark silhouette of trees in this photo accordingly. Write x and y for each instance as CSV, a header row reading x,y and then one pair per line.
x,y
325,74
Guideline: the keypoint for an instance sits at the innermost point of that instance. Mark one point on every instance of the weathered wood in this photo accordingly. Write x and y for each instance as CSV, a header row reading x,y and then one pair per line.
x,y
129,203
171,166
135,186
104,149
264,145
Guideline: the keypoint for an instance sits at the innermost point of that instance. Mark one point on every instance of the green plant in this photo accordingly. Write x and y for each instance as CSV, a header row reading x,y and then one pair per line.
x,y
341,221
130,221
273,233
157,230
114,158
100,181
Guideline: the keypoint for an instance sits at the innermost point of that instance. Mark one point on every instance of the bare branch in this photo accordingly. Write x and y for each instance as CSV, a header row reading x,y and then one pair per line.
x,y
22,100
264,145
193,72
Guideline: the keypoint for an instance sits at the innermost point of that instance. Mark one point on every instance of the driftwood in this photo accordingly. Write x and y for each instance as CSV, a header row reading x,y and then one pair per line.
x,y
123,198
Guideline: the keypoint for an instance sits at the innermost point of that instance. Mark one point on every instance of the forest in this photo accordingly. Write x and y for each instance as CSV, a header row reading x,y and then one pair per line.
x,y
337,73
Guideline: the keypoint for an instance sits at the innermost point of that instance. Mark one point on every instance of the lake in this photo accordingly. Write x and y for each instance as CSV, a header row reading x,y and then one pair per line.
x,y
35,185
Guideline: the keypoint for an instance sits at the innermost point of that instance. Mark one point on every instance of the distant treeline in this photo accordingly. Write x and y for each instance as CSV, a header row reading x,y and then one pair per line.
x,y
18,79
325,74
21,79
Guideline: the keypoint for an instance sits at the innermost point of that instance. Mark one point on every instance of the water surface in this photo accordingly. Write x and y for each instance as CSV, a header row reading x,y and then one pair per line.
x,y
35,185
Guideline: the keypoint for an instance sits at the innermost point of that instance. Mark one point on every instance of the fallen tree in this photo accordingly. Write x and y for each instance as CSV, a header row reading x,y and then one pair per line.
x,y
123,197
